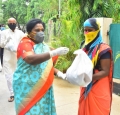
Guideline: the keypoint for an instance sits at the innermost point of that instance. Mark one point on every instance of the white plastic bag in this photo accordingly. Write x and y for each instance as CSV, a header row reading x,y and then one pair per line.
x,y
81,71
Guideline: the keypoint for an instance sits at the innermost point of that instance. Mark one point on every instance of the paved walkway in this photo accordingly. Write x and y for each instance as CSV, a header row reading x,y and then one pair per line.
x,y
66,96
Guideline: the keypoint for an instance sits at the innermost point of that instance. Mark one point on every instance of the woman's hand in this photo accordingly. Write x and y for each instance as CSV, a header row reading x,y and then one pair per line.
x,y
59,73
59,51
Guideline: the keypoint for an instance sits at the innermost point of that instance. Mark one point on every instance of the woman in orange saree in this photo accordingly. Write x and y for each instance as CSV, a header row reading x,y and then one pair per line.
x,y
96,98
33,78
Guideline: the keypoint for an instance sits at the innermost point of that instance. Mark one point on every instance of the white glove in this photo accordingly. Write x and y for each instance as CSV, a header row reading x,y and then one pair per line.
x,y
59,51
4,41
61,75
11,48
10,45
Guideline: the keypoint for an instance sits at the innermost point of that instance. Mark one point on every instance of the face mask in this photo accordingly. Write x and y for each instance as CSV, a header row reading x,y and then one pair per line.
x,y
39,37
90,36
12,26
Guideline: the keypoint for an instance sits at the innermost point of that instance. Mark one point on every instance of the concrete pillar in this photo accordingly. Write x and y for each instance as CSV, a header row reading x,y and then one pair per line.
x,y
105,24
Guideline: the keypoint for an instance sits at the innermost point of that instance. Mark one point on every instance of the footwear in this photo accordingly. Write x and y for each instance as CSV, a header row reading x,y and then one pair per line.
x,y
11,99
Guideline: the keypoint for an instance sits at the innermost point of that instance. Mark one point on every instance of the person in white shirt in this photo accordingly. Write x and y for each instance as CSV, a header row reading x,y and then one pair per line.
x,y
10,39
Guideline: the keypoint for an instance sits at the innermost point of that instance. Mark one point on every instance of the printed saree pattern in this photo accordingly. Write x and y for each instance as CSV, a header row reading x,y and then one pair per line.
x,y
32,86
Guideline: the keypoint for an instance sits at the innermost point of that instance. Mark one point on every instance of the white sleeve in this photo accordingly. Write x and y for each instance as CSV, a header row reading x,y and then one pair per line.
x,y
3,39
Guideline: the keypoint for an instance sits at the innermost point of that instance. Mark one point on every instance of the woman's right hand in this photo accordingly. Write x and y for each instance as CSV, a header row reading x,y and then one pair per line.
x,y
61,75
59,51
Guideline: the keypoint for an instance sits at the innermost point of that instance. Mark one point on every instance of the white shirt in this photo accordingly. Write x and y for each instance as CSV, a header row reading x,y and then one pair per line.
x,y
9,40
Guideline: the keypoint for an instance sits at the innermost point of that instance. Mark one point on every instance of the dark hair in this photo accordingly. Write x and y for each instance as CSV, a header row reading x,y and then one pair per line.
x,y
93,22
31,24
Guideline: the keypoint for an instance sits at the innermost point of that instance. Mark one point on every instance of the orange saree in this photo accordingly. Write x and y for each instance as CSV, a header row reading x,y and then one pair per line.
x,y
98,100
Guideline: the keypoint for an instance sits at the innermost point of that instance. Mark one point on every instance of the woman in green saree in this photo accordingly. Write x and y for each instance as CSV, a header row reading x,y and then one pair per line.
x,y
33,78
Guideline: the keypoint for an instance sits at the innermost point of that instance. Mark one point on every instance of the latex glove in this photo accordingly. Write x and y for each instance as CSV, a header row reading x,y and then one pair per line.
x,y
11,48
61,75
11,45
4,41
59,51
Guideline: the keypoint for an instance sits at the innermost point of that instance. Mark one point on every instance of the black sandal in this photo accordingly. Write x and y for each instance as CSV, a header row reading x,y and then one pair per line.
x,y
11,99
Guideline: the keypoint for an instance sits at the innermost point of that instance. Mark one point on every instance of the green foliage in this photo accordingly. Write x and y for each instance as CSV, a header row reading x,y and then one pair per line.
x,y
69,26
49,8
69,34
1,12
67,41
11,9
116,9
1,16
16,9
99,8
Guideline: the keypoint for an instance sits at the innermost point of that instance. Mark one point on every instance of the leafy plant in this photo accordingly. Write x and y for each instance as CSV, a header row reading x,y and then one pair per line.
x,y
69,34
68,28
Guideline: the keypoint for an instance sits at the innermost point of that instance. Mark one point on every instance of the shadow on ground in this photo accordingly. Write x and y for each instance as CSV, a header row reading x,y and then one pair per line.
x,y
116,88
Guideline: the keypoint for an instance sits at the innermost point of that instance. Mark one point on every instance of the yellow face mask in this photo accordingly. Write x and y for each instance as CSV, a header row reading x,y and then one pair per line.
x,y
90,36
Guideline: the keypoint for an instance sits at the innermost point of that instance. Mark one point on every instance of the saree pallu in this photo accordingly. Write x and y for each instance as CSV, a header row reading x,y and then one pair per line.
x,y
98,100
33,90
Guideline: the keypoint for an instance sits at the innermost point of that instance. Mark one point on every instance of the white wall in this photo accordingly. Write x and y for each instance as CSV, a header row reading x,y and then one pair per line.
x,y
105,24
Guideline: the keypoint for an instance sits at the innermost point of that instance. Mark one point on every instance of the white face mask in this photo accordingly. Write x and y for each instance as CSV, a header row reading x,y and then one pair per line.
x,y
39,37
